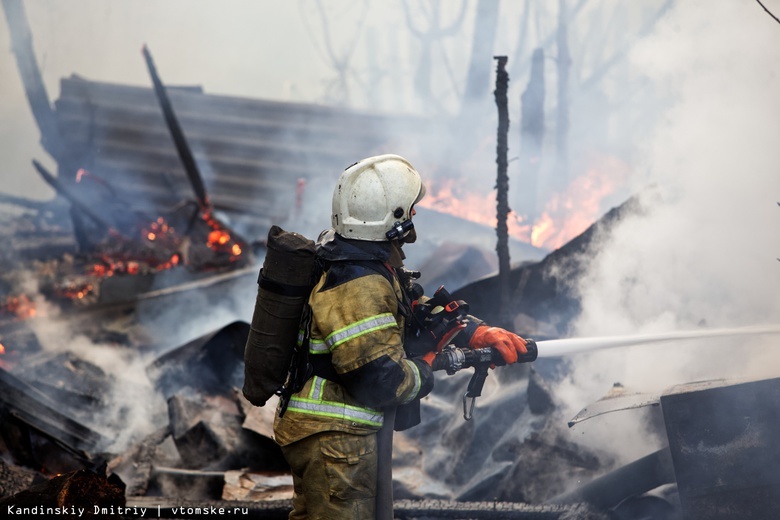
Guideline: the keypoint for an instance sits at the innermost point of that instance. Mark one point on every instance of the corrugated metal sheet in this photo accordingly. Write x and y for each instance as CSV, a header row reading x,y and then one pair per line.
x,y
250,152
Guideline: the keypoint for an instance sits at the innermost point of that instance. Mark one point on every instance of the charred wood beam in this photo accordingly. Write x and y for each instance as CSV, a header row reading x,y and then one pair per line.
x,y
52,181
64,495
35,409
633,479
35,90
185,153
502,185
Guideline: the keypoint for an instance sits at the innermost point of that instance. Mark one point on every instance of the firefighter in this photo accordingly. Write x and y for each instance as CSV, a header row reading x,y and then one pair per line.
x,y
360,312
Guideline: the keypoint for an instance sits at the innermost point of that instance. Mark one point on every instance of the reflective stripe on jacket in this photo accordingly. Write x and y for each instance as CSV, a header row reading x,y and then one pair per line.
x,y
357,324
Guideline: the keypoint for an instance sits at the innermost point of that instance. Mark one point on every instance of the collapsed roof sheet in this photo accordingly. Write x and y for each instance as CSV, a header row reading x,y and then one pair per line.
x,y
251,152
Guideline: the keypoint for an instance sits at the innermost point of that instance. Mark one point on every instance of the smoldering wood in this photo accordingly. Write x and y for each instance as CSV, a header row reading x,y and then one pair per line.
x,y
79,489
633,479
136,464
73,382
37,410
14,479
209,433
209,364
80,205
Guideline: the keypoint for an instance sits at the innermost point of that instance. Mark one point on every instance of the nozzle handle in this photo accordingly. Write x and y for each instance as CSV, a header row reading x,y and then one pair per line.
x,y
532,354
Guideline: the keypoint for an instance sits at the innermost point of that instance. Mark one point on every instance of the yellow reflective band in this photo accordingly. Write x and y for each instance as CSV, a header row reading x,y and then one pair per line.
x,y
417,381
359,328
336,410
317,385
318,346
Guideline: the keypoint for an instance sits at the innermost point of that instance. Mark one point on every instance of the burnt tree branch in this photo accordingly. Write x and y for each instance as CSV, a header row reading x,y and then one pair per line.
x,y
768,11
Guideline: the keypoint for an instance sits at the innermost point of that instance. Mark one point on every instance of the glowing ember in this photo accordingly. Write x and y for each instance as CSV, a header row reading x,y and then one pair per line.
x,y
219,239
76,290
2,349
18,307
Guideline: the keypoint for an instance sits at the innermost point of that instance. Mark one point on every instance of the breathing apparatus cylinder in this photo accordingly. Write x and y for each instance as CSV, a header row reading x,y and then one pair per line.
x,y
287,277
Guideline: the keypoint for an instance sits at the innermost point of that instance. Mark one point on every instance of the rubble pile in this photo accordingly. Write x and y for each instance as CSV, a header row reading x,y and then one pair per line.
x,y
64,411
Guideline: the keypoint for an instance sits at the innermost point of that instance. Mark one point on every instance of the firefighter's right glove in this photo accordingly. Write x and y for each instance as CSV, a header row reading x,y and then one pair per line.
x,y
508,344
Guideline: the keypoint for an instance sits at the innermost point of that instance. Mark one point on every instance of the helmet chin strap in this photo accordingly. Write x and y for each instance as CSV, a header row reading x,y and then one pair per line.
x,y
399,229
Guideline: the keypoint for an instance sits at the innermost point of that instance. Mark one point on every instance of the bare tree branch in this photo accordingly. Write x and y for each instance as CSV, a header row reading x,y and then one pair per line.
x,y
768,11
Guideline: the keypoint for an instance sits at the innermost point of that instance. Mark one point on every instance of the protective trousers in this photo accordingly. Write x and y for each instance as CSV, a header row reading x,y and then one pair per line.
x,y
334,476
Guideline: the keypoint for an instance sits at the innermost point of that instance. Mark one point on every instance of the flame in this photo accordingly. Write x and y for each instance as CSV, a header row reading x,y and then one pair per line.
x,y
565,215
4,364
19,307
449,196
569,213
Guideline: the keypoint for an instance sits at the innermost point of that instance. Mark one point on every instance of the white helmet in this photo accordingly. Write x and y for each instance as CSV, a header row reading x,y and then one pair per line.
x,y
375,196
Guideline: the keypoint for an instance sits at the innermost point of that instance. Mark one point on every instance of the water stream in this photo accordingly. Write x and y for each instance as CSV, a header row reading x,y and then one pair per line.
x,y
562,347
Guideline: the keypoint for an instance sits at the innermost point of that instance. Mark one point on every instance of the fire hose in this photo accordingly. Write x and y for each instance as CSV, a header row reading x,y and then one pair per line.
x,y
452,359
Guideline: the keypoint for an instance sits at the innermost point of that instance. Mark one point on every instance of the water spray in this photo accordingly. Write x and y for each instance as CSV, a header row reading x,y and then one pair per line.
x,y
562,347
452,359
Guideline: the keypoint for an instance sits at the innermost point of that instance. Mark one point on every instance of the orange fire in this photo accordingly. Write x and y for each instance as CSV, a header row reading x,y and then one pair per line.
x,y
565,215
219,239
75,290
2,349
20,307
450,196
571,212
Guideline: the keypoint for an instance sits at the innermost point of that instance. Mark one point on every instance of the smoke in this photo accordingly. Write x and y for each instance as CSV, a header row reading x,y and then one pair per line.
x,y
132,407
703,251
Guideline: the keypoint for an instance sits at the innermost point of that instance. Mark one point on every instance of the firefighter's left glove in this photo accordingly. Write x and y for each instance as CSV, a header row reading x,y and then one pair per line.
x,y
508,344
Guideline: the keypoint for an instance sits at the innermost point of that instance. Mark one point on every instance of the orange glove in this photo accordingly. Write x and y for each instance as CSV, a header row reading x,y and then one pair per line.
x,y
507,343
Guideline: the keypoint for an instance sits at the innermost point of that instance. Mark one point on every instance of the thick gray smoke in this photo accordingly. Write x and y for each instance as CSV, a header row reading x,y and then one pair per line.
x,y
703,253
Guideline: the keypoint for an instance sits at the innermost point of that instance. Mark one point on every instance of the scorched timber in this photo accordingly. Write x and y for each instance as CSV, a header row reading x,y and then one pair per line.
x,y
38,411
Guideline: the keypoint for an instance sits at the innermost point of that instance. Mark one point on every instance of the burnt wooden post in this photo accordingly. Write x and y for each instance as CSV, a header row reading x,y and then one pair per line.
x,y
502,186
177,134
